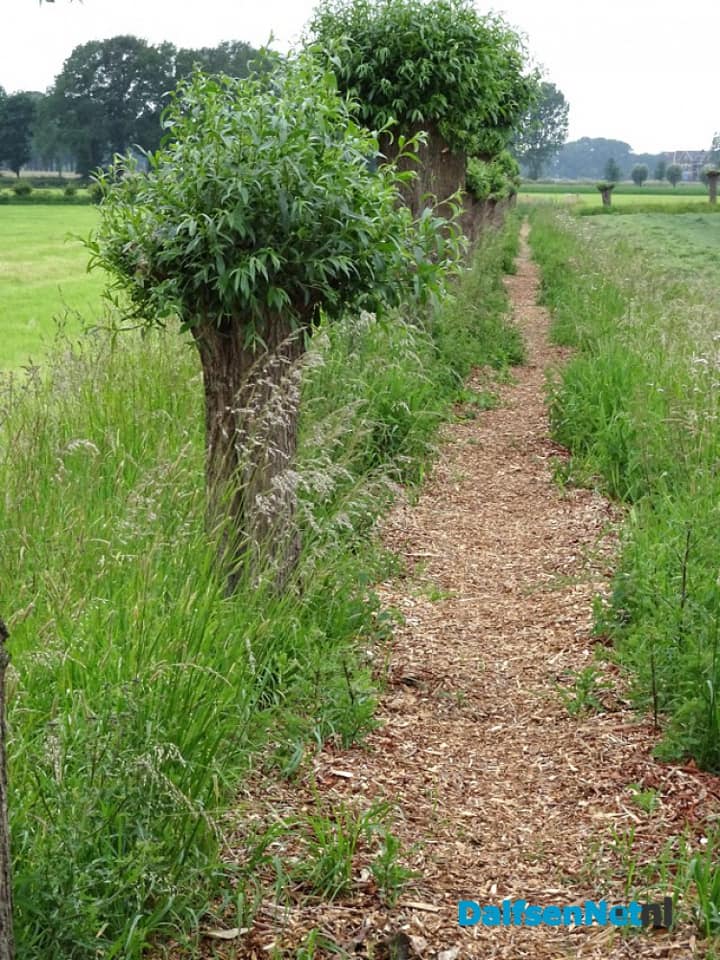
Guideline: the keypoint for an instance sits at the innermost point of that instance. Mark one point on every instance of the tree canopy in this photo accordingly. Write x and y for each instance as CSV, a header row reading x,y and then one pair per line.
x,y
261,199
587,157
674,173
110,94
428,63
543,130
17,115
639,174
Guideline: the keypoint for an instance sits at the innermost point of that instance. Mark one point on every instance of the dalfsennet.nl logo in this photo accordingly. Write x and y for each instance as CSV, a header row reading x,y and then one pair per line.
x,y
520,913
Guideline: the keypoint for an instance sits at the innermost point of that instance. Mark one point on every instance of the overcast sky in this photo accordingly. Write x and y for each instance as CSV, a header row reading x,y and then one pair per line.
x,y
643,71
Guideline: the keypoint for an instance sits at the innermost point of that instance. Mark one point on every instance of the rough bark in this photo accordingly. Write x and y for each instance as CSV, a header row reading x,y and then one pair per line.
x,y
440,171
7,943
713,186
440,174
251,419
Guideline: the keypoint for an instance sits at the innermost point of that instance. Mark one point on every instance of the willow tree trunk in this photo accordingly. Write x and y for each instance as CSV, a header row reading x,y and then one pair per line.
x,y
7,943
252,400
713,186
440,171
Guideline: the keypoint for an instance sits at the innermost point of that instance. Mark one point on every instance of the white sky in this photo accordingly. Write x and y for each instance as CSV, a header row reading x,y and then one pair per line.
x,y
643,71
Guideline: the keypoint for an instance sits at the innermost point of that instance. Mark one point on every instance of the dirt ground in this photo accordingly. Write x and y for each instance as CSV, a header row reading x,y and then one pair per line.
x,y
501,791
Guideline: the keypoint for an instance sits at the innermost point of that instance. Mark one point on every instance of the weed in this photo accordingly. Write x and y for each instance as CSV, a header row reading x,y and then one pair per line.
x,y
645,799
390,875
583,695
331,842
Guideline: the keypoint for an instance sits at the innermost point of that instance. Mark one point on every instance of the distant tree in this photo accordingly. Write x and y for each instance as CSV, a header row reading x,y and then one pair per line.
x,y
587,157
674,174
16,128
259,210
543,130
109,96
3,101
612,171
661,170
49,147
230,57
639,174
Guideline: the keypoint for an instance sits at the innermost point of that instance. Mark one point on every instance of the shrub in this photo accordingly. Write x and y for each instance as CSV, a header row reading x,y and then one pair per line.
x,y
423,64
22,189
496,179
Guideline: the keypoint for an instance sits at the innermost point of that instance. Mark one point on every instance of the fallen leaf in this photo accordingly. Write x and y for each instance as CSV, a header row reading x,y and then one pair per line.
x,y
450,954
231,934
418,905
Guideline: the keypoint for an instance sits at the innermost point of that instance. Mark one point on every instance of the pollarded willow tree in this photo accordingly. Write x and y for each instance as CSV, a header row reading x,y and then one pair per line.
x,y
260,210
436,66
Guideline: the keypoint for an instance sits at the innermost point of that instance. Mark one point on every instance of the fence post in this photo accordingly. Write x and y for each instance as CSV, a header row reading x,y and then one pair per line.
x,y
7,943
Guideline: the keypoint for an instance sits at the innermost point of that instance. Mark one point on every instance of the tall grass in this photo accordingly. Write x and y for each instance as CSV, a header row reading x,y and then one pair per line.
x,y
140,693
638,407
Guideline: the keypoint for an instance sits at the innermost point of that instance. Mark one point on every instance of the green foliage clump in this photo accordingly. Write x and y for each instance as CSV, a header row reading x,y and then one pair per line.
x,y
261,201
22,189
496,179
422,64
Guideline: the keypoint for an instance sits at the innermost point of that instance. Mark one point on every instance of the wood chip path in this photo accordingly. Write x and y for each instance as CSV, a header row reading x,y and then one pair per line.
x,y
501,792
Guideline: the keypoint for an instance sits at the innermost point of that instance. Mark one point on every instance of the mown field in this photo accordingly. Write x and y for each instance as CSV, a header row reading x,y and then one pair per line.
x,y
43,277
585,195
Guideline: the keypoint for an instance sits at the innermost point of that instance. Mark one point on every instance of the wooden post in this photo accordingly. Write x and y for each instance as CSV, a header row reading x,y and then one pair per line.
x,y
7,943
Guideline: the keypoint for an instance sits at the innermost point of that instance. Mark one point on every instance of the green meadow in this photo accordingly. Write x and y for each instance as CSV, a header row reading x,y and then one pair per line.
x,y
625,195
43,277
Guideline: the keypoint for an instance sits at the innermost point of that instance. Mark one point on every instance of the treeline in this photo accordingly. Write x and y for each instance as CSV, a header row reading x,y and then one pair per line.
x,y
108,98
588,158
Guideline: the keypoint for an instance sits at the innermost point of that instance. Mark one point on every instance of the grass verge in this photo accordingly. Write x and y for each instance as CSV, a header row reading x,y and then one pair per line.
x,y
140,694
638,408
